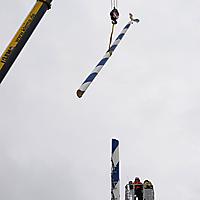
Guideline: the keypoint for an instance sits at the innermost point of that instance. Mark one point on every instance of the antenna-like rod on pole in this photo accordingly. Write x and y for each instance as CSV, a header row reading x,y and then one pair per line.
x,y
115,186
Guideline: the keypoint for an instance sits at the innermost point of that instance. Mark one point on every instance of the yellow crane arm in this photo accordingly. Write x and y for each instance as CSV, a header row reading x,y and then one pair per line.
x,y
21,37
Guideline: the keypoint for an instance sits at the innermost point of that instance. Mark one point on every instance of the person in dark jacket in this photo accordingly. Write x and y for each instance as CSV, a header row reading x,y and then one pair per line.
x,y
138,186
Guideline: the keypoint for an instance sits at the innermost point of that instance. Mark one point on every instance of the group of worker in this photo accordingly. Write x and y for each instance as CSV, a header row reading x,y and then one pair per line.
x,y
138,187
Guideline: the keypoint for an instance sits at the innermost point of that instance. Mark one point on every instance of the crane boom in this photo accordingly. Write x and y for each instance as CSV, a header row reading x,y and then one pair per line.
x,y
21,37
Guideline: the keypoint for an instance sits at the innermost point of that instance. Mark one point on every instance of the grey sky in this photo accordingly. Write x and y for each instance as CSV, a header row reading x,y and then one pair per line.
x,y
56,146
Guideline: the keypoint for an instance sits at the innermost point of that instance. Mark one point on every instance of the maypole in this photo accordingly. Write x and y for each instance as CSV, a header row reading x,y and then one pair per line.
x,y
115,186
103,61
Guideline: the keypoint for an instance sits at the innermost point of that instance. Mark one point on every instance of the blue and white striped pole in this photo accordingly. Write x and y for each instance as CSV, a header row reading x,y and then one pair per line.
x,y
115,186
108,54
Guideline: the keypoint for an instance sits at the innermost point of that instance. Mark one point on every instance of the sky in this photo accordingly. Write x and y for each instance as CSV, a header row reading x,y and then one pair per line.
x,y
54,145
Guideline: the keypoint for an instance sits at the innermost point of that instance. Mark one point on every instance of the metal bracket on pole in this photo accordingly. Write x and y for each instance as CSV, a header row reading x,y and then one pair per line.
x,y
132,19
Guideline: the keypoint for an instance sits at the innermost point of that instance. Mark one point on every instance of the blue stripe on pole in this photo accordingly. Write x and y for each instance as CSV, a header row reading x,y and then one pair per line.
x,y
120,36
113,48
115,174
115,144
102,62
127,26
90,77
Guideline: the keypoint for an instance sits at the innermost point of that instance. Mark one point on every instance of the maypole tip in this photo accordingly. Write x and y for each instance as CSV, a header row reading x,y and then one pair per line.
x,y
132,19
79,93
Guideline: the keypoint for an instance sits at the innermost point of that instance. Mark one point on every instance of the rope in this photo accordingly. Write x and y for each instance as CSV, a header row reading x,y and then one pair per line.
x,y
111,35
114,4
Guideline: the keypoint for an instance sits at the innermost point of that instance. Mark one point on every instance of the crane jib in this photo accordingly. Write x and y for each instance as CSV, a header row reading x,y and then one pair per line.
x,y
21,37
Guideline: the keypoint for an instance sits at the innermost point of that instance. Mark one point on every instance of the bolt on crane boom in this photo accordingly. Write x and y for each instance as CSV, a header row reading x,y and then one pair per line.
x,y
21,37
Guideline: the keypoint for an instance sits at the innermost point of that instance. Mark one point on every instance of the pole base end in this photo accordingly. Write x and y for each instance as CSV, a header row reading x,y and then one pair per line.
x,y
79,93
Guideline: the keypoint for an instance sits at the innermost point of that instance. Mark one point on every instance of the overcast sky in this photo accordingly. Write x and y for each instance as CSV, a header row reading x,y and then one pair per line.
x,y
54,146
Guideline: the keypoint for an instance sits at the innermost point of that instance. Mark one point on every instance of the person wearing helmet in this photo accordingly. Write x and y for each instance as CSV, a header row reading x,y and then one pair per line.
x,y
138,186
114,14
